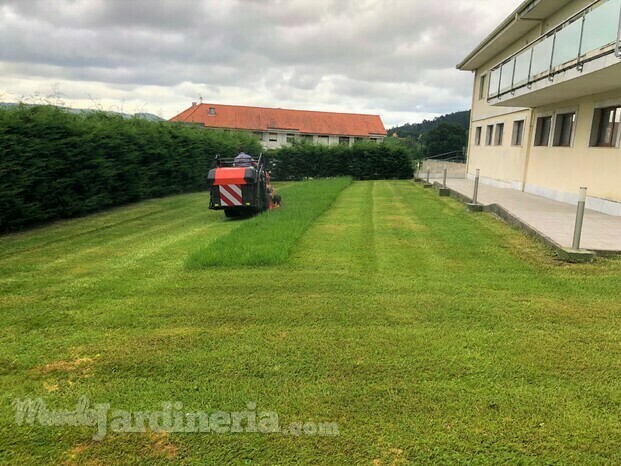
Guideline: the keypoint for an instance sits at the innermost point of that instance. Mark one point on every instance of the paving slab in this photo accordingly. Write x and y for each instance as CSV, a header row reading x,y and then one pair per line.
x,y
554,219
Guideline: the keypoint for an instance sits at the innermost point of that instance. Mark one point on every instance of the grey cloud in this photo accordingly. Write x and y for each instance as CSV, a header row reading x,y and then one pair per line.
x,y
389,55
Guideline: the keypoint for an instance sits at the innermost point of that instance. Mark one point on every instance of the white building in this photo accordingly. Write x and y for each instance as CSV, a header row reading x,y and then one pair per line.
x,y
546,107
277,126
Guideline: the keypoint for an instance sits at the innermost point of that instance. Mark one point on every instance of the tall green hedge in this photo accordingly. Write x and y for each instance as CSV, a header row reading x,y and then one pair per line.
x,y
56,164
362,161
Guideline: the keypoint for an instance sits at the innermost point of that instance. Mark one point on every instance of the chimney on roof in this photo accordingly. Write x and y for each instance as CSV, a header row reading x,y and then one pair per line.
x,y
193,104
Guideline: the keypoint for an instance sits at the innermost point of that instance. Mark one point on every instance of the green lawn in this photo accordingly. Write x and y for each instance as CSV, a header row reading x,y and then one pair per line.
x,y
428,334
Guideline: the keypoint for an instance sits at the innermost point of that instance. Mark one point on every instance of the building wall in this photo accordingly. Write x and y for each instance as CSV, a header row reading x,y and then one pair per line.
x,y
501,165
268,142
554,172
504,165
559,172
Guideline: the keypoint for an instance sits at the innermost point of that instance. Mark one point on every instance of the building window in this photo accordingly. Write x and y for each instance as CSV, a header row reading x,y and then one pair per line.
x,y
606,123
273,137
290,138
518,133
482,87
477,136
564,129
489,134
344,140
323,140
500,132
375,140
542,133
307,138
358,139
258,135
212,111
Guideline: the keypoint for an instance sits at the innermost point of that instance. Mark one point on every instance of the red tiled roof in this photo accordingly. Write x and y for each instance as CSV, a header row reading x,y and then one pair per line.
x,y
265,119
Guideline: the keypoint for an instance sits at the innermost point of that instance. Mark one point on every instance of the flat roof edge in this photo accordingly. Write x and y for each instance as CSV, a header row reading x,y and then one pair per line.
x,y
512,19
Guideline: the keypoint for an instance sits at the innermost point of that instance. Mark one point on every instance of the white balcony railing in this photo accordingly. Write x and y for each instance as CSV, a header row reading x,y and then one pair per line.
x,y
590,34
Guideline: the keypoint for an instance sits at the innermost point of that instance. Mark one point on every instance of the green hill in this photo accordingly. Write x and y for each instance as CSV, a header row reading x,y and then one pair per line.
x,y
414,130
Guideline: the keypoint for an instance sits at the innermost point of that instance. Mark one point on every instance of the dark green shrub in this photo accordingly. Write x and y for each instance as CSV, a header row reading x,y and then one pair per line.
x,y
362,161
56,164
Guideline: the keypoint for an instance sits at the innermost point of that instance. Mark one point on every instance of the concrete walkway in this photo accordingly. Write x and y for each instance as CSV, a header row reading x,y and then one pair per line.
x,y
554,219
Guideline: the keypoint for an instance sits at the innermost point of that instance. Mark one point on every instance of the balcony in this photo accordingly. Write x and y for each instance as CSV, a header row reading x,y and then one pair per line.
x,y
581,56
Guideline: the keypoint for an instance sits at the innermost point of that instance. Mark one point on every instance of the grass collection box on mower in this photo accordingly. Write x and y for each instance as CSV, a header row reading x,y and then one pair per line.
x,y
238,190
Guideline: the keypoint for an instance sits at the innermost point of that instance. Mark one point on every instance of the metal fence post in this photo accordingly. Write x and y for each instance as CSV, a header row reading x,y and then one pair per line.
x,y
444,191
579,219
475,195
474,206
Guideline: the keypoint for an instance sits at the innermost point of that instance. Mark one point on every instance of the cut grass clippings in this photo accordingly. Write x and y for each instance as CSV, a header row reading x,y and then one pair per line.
x,y
268,239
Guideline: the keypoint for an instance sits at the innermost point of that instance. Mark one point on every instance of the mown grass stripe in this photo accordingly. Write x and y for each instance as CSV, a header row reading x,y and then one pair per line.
x,y
342,238
269,239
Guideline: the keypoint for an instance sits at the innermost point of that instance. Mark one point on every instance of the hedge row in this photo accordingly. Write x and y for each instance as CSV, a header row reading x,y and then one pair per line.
x,y
56,164
361,161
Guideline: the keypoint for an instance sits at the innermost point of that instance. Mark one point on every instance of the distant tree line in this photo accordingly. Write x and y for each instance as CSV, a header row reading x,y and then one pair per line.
x,y
446,138
415,130
55,164
362,161
444,134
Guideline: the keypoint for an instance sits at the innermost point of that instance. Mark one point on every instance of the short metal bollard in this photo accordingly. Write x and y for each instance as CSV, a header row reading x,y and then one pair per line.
x,y
427,183
444,191
579,219
475,195
475,206
575,254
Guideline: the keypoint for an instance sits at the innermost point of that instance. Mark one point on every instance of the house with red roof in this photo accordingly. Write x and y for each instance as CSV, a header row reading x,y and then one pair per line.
x,y
278,126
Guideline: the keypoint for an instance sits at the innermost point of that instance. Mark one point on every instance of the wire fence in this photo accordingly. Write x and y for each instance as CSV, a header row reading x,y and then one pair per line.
x,y
454,162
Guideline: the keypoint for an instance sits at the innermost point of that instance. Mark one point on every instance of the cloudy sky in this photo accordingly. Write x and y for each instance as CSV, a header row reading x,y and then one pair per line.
x,y
392,57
